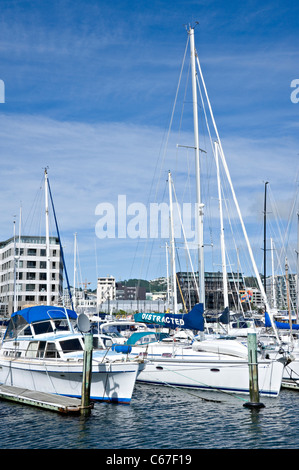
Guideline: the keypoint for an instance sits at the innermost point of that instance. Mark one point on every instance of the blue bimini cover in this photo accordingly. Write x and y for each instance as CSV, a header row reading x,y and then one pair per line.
x,y
44,312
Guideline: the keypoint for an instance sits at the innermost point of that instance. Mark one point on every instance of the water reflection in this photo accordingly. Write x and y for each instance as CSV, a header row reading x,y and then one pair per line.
x,y
157,418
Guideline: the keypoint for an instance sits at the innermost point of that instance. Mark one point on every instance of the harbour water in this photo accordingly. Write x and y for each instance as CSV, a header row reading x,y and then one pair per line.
x,y
158,418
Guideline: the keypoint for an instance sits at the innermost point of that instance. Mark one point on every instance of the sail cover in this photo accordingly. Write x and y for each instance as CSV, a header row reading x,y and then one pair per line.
x,y
191,321
279,325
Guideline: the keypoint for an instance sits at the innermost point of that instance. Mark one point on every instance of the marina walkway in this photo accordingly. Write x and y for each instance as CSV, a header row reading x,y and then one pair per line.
x,y
48,401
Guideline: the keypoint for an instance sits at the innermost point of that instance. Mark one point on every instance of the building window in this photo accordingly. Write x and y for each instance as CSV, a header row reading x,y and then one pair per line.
x,y
31,252
30,287
30,276
29,298
31,264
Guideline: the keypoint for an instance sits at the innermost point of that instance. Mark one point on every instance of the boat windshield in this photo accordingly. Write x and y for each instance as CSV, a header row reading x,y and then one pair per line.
x,y
61,325
42,327
15,326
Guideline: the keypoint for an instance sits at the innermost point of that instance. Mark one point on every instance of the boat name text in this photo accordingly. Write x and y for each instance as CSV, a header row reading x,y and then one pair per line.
x,y
151,317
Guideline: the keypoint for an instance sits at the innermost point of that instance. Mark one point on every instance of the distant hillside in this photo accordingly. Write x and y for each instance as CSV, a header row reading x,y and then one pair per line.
x,y
157,285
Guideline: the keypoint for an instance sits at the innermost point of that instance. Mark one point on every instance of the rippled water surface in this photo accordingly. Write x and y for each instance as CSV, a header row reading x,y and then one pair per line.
x,y
158,418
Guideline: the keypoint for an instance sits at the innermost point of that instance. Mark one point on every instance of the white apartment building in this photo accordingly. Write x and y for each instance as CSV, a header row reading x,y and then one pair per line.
x,y
23,264
280,291
106,289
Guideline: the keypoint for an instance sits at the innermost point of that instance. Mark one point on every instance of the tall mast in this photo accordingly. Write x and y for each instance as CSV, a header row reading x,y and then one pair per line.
x,y
273,277
224,273
199,221
15,306
167,277
265,240
288,296
47,238
297,266
75,271
174,284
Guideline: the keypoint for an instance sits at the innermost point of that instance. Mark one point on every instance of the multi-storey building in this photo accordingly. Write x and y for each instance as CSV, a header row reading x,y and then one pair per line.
x,y
23,272
124,292
213,289
106,289
281,291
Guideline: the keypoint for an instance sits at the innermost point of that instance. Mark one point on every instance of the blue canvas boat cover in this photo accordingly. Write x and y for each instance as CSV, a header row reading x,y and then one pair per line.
x,y
44,312
279,325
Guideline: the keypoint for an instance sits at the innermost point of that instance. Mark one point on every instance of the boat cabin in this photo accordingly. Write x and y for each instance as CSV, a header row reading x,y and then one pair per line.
x,y
46,333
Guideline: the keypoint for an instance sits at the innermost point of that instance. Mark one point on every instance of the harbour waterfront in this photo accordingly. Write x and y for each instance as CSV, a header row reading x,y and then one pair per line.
x,y
158,418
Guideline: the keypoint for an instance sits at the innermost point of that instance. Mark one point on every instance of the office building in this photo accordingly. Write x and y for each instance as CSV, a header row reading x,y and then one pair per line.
x,y
23,273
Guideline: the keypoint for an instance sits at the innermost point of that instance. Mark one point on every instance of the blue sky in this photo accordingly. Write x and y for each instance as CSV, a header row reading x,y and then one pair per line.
x,y
89,90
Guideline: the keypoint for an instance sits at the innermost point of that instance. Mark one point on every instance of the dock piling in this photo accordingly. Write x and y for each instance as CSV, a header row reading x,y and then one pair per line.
x,y
87,371
253,373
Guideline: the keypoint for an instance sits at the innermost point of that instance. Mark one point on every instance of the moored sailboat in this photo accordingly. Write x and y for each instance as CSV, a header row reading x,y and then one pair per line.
x,y
210,364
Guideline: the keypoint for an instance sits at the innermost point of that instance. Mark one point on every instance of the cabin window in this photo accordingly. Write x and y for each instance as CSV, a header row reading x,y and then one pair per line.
x,y
41,348
71,345
51,351
32,349
42,327
27,331
107,342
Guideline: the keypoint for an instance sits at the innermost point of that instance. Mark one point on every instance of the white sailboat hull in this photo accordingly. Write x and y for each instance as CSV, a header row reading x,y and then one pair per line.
x,y
111,382
207,371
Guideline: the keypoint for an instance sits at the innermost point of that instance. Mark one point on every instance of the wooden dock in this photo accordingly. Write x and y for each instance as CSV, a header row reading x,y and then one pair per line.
x,y
59,403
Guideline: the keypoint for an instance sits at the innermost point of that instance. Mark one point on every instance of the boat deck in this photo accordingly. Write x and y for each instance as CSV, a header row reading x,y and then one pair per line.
x,y
59,403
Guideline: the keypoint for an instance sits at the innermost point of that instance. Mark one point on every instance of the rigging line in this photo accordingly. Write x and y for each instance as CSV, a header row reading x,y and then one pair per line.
x,y
279,227
183,390
285,238
165,146
186,244
151,249
172,114
181,293
36,200
61,249
265,299
204,385
183,107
